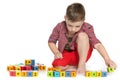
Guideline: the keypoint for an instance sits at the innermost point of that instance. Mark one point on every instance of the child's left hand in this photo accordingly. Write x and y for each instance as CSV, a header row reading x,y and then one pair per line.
x,y
111,63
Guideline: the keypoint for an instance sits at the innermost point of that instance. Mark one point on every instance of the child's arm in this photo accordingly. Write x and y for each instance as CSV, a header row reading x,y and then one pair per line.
x,y
100,48
55,50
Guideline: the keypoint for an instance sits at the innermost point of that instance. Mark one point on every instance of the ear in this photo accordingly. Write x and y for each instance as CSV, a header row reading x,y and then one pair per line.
x,y
65,17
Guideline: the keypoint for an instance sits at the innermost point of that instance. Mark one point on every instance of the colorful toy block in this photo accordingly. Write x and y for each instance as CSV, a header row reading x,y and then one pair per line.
x,y
35,74
28,67
62,73
18,73
104,74
68,74
17,68
99,74
56,74
94,74
12,73
23,74
88,74
23,68
9,68
73,73
29,74
35,68
29,62
50,73
110,69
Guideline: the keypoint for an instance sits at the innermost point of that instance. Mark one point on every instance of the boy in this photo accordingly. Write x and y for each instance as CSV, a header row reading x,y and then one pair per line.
x,y
76,40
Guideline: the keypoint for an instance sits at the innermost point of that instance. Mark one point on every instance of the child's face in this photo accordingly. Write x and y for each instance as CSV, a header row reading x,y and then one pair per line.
x,y
73,27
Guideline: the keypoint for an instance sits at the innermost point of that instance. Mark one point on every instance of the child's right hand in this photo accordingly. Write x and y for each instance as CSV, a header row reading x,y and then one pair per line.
x,y
58,55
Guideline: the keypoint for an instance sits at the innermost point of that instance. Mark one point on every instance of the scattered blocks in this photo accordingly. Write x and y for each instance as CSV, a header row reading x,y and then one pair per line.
x,y
99,73
29,69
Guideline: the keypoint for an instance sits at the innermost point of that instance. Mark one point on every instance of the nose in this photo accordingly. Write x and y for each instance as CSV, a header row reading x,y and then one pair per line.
x,y
73,29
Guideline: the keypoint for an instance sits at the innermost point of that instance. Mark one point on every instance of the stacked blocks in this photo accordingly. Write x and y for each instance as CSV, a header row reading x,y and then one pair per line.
x,y
55,72
99,73
29,69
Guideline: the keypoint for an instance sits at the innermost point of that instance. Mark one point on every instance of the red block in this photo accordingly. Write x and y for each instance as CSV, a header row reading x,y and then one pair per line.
x,y
23,67
28,67
12,73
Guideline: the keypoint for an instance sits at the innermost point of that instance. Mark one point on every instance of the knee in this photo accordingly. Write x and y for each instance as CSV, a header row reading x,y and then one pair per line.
x,y
82,36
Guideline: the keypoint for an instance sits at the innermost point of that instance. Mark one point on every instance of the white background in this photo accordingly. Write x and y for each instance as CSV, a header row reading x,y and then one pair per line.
x,y
25,26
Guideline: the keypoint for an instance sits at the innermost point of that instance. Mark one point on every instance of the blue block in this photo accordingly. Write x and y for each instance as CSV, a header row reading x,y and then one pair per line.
x,y
68,73
35,68
33,62
29,74
56,74
104,74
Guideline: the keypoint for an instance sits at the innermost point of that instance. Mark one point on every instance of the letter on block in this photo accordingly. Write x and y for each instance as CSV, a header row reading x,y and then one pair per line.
x,y
99,74
12,73
73,73
23,74
93,74
104,74
29,74
35,74
88,74
110,69
50,73
56,74
17,68
62,73
68,73
18,73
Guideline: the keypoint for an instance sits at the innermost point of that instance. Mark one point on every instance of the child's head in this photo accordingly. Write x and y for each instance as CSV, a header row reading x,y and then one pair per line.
x,y
75,16
75,12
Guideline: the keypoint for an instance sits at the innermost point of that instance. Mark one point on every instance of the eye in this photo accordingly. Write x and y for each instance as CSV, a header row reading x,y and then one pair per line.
x,y
77,26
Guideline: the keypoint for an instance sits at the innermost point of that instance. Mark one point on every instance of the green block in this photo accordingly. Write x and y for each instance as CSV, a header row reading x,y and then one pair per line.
x,y
50,74
110,69
93,74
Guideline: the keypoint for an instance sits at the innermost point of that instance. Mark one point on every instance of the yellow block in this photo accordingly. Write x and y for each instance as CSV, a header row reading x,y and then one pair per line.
x,y
62,73
18,73
35,74
99,74
28,62
73,73
17,68
88,74
24,74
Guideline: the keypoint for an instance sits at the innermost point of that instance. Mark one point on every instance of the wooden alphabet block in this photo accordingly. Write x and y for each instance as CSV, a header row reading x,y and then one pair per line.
x,y
88,74
18,73
35,74
99,74
56,74
23,74
62,73
50,74
73,73
68,74
110,69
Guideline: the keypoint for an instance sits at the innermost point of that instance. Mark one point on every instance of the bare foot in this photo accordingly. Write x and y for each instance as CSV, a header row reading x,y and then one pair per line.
x,y
81,69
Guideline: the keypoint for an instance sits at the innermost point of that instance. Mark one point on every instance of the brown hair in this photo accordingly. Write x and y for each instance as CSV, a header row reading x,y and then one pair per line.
x,y
75,12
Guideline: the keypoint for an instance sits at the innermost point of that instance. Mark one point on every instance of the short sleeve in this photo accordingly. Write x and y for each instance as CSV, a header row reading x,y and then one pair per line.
x,y
55,34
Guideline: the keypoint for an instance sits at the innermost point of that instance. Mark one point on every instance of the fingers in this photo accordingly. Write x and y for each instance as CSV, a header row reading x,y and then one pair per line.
x,y
112,64
58,55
